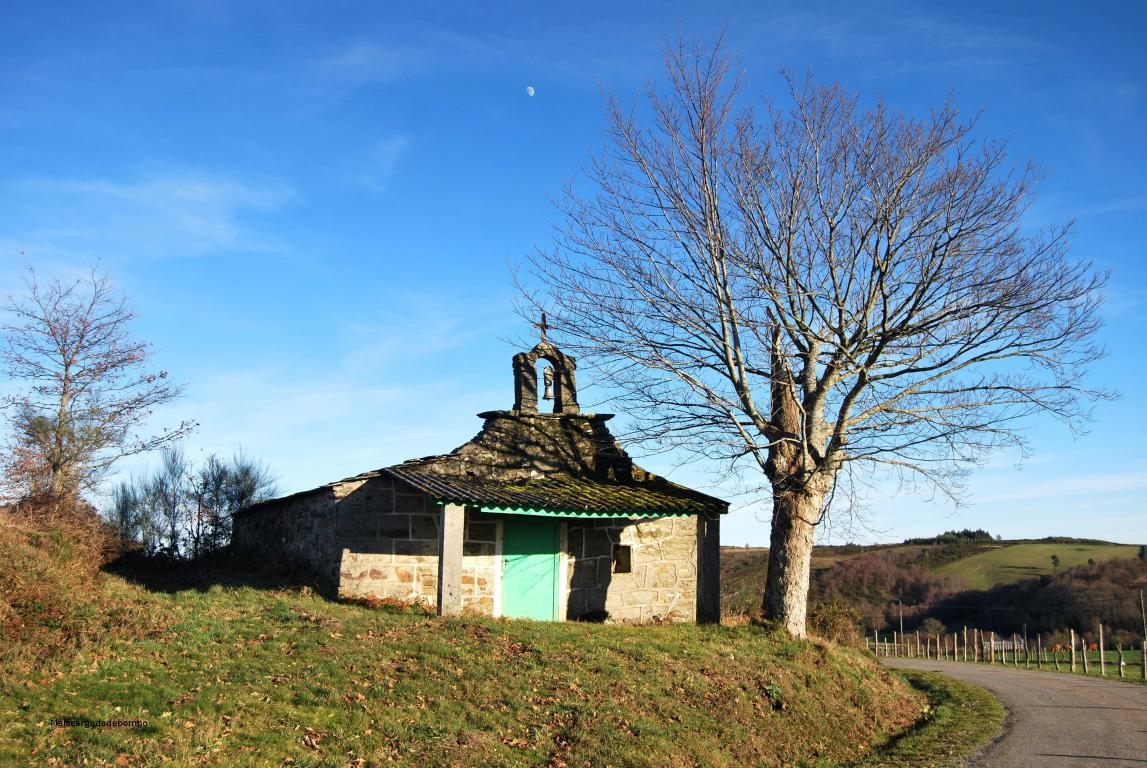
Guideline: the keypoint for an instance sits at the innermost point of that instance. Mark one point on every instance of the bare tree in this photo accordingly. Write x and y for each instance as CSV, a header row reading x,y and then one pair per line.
x,y
822,292
87,389
185,511
164,503
218,489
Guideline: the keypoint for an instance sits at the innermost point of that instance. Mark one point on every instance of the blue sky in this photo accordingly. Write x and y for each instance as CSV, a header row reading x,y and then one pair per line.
x,y
315,207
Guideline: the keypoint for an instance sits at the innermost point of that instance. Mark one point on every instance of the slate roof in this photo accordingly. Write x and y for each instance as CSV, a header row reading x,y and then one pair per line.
x,y
559,494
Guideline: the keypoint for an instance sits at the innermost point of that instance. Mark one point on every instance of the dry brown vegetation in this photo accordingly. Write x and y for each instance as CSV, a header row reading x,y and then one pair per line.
x,y
50,585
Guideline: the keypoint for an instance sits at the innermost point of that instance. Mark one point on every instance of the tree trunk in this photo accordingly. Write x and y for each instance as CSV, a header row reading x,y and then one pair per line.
x,y
790,558
798,492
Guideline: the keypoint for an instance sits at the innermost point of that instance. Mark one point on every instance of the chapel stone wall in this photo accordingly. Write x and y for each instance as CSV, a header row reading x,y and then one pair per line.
x,y
300,529
371,537
661,584
389,548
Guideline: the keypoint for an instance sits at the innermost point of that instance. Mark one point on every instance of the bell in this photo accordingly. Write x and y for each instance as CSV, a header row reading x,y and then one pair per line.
x,y
548,380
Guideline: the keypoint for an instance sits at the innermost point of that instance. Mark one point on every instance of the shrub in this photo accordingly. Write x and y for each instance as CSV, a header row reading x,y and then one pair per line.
x,y
836,620
51,591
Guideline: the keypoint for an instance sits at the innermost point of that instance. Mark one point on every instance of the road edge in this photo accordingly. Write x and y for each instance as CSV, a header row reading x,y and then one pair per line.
x,y
963,720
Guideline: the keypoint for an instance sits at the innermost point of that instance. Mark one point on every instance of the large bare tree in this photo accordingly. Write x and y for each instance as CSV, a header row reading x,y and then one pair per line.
x,y
84,388
820,289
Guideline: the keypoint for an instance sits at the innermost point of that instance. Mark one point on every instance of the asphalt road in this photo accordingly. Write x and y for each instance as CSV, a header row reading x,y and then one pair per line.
x,y
1056,719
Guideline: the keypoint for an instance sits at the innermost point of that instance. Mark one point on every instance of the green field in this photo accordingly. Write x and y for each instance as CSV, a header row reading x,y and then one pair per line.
x,y
1012,562
1132,660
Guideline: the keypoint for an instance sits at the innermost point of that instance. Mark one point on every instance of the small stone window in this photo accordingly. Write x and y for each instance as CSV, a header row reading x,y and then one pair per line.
x,y
622,558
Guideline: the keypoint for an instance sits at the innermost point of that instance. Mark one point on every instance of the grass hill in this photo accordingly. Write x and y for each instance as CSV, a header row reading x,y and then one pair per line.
x,y
1007,564
100,670
1004,586
976,565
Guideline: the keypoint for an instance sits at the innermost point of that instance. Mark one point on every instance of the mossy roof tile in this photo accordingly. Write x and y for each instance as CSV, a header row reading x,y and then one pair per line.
x,y
560,494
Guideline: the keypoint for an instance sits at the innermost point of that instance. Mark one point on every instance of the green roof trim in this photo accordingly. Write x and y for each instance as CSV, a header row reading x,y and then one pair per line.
x,y
611,515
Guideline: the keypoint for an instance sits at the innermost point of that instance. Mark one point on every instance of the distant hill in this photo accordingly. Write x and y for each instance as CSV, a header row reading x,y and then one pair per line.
x,y
1025,560
1081,598
958,578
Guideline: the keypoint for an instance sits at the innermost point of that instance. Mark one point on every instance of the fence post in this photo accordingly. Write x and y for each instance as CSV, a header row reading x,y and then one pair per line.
x,y
1015,652
1083,652
1038,652
1072,650
965,642
1102,659
1143,644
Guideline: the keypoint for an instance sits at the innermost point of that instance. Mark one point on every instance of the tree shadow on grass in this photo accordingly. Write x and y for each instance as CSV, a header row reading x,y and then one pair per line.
x,y
161,573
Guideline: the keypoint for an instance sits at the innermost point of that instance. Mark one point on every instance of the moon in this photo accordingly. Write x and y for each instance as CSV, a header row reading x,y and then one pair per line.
x,y
530,91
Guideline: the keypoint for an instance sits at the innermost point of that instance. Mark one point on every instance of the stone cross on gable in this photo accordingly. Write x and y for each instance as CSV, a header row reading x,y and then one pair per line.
x,y
543,326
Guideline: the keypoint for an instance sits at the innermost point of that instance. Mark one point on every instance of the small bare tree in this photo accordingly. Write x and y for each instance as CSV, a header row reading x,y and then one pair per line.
x,y
217,490
823,291
185,511
86,387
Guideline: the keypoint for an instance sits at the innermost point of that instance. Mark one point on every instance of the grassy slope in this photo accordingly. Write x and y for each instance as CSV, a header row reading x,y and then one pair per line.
x,y
1009,564
250,677
961,718
244,676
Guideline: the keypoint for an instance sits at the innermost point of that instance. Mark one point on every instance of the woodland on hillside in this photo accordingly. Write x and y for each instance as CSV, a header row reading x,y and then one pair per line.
x,y
1079,598
884,586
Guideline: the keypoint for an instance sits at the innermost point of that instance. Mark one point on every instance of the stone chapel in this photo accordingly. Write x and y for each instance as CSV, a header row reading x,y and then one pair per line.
x,y
540,516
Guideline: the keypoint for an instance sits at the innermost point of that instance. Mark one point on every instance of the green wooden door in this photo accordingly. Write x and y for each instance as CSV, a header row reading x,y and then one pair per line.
x,y
530,567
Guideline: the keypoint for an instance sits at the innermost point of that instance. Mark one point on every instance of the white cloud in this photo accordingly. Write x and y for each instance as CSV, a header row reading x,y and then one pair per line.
x,y
311,430
365,63
1091,486
1125,205
383,159
392,385
174,215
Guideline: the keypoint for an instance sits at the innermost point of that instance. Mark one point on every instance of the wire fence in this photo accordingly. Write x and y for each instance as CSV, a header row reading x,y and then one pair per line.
x,y
977,646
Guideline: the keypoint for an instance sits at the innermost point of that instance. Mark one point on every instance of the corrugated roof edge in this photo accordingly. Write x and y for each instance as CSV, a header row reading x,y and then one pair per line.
x,y
720,505
446,489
